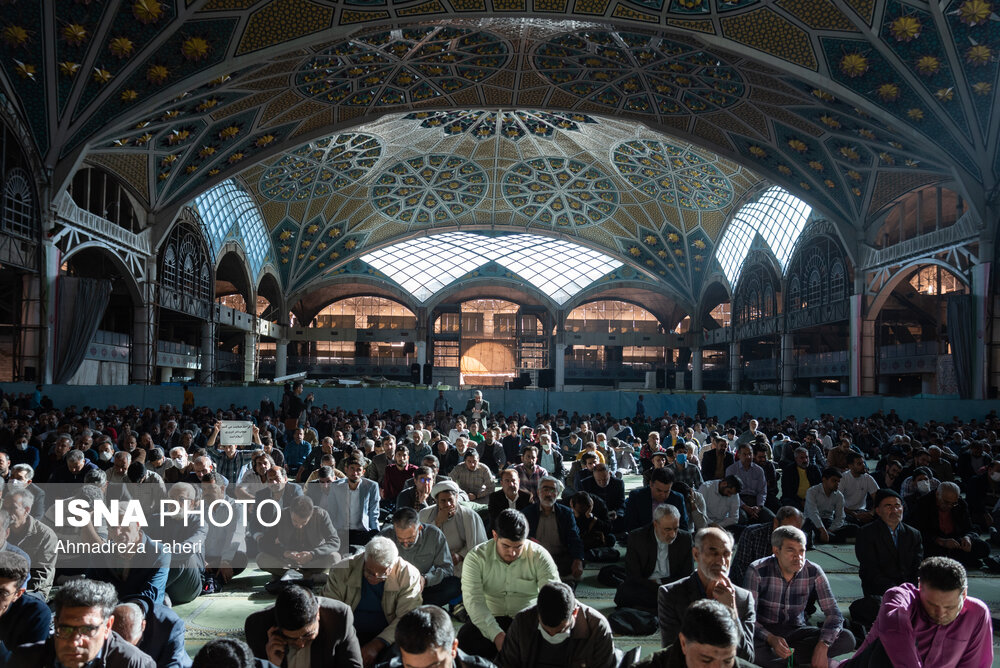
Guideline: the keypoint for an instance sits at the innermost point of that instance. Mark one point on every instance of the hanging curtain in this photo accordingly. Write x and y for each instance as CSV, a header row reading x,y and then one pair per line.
x,y
962,335
80,308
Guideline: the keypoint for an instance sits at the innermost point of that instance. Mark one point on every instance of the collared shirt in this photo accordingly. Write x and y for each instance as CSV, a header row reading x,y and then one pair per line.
x,y
752,478
915,641
479,482
690,475
547,460
492,588
662,569
783,603
895,534
530,479
725,510
754,544
824,511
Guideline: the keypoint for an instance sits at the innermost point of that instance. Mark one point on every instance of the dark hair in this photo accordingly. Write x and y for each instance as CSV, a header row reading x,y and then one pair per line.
x,y
682,488
664,475
943,574
555,603
86,594
295,608
324,473
423,470
588,456
301,506
732,482
831,472
853,456
211,477
511,525
759,447
13,567
582,499
405,517
424,628
708,622
224,653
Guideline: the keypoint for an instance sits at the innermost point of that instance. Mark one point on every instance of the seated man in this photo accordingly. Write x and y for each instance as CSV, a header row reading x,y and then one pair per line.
x,y
642,501
824,511
396,475
709,636
229,652
984,494
510,495
796,479
147,567
782,585
379,587
36,539
858,489
553,526
158,632
559,631
302,629
83,618
611,491
946,527
722,500
462,527
225,547
934,623
424,546
713,550
529,471
426,637
304,539
501,577
473,477
889,554
418,495
753,490
354,505
657,554
23,619
186,569
755,541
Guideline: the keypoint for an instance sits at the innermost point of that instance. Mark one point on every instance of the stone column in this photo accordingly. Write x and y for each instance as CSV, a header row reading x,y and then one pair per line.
x,y
560,367
696,369
280,358
249,357
787,363
981,278
735,366
207,375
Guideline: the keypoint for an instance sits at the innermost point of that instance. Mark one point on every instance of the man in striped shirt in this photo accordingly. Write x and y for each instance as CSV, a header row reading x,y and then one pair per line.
x,y
782,584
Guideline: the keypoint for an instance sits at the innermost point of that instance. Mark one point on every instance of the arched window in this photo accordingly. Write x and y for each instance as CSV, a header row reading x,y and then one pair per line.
x,y
19,209
777,216
817,273
229,212
184,265
756,293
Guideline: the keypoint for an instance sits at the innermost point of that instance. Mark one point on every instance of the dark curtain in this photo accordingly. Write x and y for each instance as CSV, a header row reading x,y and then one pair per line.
x,y
962,335
80,308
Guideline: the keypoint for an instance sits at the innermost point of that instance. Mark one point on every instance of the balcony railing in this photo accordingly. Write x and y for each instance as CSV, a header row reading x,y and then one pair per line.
x,y
67,209
966,227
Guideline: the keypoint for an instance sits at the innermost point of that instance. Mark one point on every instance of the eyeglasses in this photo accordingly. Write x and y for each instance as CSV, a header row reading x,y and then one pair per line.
x,y
67,632
376,576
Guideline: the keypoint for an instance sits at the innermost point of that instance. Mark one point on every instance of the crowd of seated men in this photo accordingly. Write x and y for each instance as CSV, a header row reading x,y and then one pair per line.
x,y
385,528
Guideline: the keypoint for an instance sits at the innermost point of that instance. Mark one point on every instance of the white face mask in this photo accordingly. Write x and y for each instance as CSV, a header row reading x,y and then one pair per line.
x,y
924,486
557,639
105,455
547,446
179,462
22,445
995,476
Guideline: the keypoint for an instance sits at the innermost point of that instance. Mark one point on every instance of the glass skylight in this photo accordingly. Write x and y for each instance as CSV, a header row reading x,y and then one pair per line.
x,y
229,212
558,268
777,216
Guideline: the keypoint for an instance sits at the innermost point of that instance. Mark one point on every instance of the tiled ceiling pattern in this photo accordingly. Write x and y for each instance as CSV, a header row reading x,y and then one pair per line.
x,y
838,101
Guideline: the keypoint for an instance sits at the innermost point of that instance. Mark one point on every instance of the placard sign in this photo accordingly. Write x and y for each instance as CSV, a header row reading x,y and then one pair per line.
x,y
236,432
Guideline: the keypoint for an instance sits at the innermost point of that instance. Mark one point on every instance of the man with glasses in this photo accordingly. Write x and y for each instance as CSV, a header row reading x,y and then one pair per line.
x,y
424,546
84,615
889,553
418,495
302,629
380,587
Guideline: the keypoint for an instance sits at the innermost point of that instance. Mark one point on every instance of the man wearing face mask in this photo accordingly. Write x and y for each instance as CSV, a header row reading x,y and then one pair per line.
x,y
558,631
685,471
181,466
23,453
983,495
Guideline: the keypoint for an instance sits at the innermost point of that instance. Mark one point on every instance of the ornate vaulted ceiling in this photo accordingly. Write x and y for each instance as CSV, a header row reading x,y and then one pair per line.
x,y
846,103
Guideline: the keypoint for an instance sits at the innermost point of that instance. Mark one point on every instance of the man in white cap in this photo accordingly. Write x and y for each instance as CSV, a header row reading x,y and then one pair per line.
x,y
462,527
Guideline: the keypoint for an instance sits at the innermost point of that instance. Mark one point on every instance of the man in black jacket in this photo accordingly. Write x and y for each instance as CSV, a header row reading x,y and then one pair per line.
x,y
955,539
609,490
510,492
889,554
797,478
711,468
300,622
657,554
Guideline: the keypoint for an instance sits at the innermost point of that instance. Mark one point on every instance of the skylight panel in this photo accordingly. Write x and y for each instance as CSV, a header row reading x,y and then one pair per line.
x,y
227,209
558,268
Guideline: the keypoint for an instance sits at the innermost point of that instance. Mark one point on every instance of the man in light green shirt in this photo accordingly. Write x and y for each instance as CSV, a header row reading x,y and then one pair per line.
x,y
500,578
